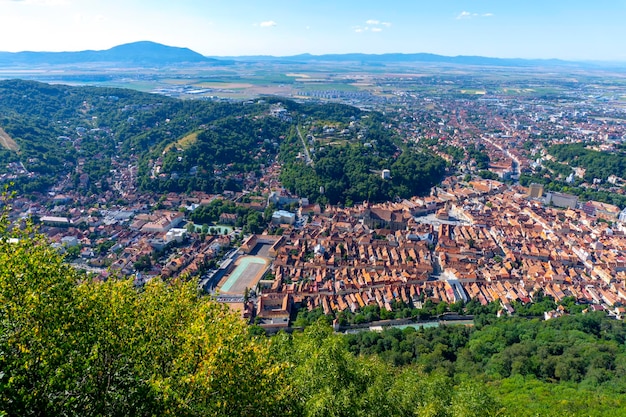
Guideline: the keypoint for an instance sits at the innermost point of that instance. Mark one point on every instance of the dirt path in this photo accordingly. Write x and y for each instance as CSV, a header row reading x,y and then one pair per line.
x,y
7,142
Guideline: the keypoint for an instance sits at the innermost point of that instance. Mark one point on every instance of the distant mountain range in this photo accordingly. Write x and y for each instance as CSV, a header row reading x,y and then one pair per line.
x,y
143,53
377,59
147,53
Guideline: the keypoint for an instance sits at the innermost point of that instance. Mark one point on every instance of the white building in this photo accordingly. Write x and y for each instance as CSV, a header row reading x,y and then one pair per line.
x,y
562,200
69,241
283,217
175,235
622,216
55,221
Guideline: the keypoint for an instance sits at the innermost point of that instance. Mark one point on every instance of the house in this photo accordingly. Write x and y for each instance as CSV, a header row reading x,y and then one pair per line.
x,y
228,218
273,310
165,220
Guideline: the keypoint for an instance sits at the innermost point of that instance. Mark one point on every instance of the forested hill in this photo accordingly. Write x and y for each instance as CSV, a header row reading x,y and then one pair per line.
x,y
597,164
59,130
142,53
53,133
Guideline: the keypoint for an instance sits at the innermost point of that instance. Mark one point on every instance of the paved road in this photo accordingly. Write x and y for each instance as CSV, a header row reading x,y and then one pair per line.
x,y
307,156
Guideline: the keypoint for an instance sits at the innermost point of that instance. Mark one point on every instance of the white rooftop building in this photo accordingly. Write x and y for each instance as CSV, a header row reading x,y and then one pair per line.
x,y
283,217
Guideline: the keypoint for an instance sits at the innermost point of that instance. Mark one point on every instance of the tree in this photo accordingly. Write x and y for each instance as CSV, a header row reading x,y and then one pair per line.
x,y
442,307
72,252
36,302
470,399
144,263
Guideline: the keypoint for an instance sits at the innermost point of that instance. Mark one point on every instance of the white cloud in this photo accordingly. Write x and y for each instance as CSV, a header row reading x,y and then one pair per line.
x,y
268,24
374,25
469,15
374,22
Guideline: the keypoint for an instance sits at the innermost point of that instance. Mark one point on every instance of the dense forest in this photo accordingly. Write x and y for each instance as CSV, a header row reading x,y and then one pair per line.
x,y
350,172
216,157
73,346
580,359
596,163
62,130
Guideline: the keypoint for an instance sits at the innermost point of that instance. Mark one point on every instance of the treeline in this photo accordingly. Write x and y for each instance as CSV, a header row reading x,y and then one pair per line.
x,y
429,310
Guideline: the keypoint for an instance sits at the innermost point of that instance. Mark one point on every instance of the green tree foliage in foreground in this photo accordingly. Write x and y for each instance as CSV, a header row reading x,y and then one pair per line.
x,y
328,381
70,346
572,366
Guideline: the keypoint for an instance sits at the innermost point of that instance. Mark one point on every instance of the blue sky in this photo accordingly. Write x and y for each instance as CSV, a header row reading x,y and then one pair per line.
x,y
574,29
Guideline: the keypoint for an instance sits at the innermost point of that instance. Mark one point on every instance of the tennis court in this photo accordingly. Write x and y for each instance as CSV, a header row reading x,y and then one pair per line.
x,y
247,273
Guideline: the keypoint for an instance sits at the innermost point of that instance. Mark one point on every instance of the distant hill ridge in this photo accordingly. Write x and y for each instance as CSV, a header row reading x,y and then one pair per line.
x,y
388,58
146,53
135,53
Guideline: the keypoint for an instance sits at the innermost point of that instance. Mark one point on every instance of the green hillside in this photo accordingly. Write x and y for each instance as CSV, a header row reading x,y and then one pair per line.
x,y
55,132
